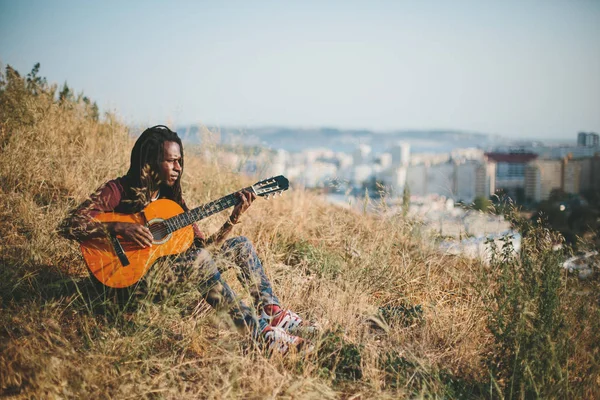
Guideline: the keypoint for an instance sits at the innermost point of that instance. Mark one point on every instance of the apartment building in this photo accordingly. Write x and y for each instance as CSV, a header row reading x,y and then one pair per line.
x,y
460,181
543,176
510,171
585,139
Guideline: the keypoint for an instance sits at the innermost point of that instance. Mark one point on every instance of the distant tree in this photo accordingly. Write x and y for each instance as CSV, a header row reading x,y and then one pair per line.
x,y
92,108
583,219
13,102
95,112
552,213
35,83
592,196
16,93
65,94
557,195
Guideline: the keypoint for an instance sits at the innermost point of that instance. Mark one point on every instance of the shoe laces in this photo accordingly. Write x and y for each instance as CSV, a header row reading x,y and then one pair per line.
x,y
285,319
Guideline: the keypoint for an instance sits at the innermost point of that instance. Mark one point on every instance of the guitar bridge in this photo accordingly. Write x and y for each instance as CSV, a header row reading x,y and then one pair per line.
x,y
119,250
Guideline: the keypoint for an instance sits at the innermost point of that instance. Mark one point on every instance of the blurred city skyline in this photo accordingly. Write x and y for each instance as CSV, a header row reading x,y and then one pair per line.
x,y
515,69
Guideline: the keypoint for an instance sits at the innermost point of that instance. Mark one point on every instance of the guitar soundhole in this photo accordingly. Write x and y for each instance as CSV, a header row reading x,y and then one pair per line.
x,y
159,231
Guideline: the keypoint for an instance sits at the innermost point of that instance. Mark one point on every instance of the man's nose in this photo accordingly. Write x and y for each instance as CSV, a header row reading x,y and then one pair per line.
x,y
177,166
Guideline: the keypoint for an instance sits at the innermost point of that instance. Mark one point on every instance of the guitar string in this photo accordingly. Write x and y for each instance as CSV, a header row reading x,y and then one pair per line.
x,y
184,219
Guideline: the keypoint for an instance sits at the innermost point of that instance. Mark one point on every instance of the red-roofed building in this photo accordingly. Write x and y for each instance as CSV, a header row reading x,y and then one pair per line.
x,y
511,158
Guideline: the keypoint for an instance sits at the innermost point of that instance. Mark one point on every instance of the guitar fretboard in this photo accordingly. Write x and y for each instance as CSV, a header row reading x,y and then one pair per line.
x,y
201,212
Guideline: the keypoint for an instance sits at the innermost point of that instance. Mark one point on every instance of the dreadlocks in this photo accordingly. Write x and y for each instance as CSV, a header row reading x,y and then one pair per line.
x,y
147,154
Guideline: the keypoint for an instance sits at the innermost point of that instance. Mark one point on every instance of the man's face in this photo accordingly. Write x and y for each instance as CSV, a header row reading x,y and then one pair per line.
x,y
170,167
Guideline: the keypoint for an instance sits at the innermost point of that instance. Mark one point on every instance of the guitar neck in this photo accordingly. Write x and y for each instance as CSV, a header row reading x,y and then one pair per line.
x,y
203,211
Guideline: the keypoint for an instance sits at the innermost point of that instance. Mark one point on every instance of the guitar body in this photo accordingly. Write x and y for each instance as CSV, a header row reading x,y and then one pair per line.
x,y
101,254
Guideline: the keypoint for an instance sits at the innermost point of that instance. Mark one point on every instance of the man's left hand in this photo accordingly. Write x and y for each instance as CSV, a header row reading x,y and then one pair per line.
x,y
246,198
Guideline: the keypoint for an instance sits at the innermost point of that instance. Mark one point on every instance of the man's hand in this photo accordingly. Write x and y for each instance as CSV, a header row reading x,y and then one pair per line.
x,y
136,233
246,198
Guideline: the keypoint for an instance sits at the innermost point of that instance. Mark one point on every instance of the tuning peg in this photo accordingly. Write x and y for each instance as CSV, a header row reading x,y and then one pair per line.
x,y
267,196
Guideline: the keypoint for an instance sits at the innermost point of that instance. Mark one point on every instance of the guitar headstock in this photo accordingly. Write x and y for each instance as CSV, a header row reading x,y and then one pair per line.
x,y
271,186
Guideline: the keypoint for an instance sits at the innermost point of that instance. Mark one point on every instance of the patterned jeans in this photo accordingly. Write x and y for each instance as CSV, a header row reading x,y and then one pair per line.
x,y
238,252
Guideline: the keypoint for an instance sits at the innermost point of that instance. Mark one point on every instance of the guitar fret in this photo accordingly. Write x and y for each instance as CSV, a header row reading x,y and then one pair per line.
x,y
179,221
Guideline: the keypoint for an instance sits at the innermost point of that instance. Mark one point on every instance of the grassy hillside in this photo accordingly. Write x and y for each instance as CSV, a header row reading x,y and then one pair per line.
x,y
398,318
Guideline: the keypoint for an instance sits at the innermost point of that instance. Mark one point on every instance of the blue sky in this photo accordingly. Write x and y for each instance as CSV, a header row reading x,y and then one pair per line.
x,y
513,68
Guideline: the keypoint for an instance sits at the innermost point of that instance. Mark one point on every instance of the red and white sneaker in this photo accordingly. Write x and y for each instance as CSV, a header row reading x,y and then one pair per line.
x,y
284,319
279,341
289,321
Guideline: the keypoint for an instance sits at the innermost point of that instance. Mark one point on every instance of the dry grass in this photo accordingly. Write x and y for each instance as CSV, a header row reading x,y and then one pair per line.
x,y
60,338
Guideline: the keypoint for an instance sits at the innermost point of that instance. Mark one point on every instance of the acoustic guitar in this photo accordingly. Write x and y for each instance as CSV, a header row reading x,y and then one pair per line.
x,y
120,263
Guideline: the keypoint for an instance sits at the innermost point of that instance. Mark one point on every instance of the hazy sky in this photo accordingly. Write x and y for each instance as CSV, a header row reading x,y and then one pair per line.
x,y
515,68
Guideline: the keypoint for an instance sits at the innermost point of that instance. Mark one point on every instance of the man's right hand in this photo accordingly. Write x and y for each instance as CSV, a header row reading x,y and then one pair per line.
x,y
136,233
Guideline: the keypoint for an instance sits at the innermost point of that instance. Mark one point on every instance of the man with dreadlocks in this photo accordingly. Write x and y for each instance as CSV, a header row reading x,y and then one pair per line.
x,y
155,172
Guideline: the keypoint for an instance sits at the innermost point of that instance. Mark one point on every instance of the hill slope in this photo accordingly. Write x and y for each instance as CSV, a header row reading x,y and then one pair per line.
x,y
398,318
